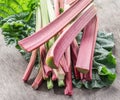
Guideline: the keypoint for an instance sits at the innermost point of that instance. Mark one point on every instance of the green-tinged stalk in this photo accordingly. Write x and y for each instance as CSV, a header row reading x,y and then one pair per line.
x,y
49,83
45,16
60,76
51,14
45,77
61,83
50,62
61,4
61,10
39,76
44,12
38,80
38,18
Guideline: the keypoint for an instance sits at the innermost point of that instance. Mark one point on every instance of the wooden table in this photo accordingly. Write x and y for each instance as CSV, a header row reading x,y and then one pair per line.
x,y
12,66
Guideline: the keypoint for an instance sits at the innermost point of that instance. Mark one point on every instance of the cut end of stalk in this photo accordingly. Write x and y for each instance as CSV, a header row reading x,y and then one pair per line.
x,y
24,79
61,10
50,62
45,77
61,83
49,84
21,45
54,77
35,86
48,73
82,70
67,92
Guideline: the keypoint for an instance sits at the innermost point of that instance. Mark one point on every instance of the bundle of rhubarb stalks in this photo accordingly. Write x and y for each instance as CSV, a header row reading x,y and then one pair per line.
x,y
58,23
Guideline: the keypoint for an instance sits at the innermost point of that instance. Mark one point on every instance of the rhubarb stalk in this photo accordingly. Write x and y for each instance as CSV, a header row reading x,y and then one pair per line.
x,y
54,77
88,76
32,42
61,77
49,83
70,1
74,53
30,66
68,80
34,53
52,16
45,20
56,7
63,64
38,80
43,52
60,74
66,38
87,47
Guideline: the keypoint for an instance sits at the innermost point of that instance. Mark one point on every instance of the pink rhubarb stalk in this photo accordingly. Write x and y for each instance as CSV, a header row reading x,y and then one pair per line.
x,y
87,46
66,38
30,66
54,77
46,68
34,53
63,64
34,41
38,80
45,76
68,80
88,76
60,75
69,1
61,4
56,7
74,53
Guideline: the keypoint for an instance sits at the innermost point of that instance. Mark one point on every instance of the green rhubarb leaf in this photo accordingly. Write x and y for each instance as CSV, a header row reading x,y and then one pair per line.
x,y
93,84
11,7
77,83
15,28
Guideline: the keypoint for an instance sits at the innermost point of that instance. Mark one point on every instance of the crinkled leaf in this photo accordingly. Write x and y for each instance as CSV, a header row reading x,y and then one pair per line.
x,y
17,27
11,7
77,83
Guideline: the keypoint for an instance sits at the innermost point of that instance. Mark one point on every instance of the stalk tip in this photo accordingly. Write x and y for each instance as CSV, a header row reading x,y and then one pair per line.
x,y
50,62
82,70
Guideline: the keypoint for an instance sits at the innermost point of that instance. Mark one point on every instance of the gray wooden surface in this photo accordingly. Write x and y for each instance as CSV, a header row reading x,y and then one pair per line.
x,y
12,66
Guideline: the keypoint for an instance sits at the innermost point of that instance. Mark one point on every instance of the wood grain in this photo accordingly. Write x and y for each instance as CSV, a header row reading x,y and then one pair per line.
x,y
12,66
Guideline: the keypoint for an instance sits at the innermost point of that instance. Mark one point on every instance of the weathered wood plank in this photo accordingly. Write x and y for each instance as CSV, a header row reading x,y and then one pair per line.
x,y
12,66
